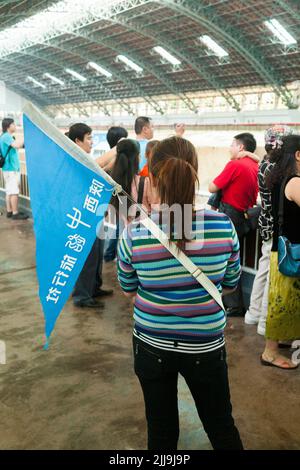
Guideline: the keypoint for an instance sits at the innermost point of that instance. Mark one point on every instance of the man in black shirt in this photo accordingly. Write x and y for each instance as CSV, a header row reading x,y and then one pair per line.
x,y
88,286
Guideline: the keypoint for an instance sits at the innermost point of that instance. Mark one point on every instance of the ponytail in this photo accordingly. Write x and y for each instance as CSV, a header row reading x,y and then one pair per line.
x,y
126,167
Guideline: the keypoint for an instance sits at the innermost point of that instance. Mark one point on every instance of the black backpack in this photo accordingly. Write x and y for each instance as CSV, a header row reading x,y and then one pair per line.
x,y
2,158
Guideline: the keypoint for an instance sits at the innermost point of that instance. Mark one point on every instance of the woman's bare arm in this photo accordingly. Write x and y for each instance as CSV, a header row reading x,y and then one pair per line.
x,y
107,160
292,190
244,153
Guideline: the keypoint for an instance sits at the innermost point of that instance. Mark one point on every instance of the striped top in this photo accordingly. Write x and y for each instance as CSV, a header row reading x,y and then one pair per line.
x,y
172,310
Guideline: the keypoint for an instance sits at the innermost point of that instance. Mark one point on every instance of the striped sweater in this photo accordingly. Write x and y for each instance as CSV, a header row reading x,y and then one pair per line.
x,y
171,308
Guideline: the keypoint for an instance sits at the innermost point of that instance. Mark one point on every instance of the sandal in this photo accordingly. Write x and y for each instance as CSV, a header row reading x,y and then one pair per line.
x,y
272,363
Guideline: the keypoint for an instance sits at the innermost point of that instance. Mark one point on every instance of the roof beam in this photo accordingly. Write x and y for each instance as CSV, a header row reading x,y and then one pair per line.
x,y
53,88
88,57
86,96
290,6
234,39
102,40
18,16
95,82
151,31
62,109
128,7
92,15
25,92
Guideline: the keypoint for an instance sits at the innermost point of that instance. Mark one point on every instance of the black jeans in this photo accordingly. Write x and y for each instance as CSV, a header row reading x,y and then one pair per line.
x,y
207,378
90,278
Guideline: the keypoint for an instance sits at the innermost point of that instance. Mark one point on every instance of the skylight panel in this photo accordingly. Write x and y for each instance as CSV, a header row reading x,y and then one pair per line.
x,y
100,69
36,82
213,46
130,63
54,79
166,55
76,75
280,32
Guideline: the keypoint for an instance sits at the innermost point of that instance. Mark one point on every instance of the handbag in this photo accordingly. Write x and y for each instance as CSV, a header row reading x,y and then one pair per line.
x,y
252,215
288,253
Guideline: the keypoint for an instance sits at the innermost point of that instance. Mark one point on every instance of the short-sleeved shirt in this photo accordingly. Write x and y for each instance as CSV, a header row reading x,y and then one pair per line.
x,y
12,162
145,171
143,144
238,182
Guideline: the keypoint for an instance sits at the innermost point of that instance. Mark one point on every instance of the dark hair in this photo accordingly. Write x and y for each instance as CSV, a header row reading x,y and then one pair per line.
x,y
149,148
114,134
126,167
247,140
284,159
78,131
6,122
140,122
268,148
174,165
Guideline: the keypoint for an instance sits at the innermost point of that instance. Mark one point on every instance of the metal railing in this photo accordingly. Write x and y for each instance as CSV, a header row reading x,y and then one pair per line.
x,y
24,197
24,187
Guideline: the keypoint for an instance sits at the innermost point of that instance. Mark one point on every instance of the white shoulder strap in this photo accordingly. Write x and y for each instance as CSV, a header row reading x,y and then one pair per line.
x,y
195,271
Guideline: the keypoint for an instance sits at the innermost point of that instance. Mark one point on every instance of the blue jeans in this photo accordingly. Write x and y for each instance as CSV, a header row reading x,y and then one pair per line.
x,y
207,378
111,250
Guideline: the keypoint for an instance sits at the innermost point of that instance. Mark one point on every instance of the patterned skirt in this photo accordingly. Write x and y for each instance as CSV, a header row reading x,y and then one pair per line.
x,y
283,320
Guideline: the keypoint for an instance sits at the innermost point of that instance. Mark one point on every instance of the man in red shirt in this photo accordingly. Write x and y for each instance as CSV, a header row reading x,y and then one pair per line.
x,y
239,185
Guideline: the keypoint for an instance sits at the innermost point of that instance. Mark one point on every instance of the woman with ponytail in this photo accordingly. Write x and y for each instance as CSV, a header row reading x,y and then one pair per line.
x,y
283,320
126,173
178,326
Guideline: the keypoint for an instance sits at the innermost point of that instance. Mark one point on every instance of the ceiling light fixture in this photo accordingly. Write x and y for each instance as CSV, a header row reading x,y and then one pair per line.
x,y
130,63
166,55
213,46
54,79
33,80
280,32
76,75
100,69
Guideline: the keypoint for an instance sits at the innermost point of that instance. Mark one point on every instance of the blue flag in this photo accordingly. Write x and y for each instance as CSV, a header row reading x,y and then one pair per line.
x,y
69,196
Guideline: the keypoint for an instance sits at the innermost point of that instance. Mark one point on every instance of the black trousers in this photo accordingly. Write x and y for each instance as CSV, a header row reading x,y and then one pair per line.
x,y
90,278
207,378
236,300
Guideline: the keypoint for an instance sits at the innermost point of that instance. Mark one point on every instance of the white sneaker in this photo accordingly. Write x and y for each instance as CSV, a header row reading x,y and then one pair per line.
x,y
261,328
250,319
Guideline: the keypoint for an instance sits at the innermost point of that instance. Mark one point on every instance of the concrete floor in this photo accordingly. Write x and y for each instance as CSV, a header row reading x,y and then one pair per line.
x,y
83,394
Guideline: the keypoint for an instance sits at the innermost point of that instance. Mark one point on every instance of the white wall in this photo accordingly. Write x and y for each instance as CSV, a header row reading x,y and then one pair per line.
x,y
11,104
